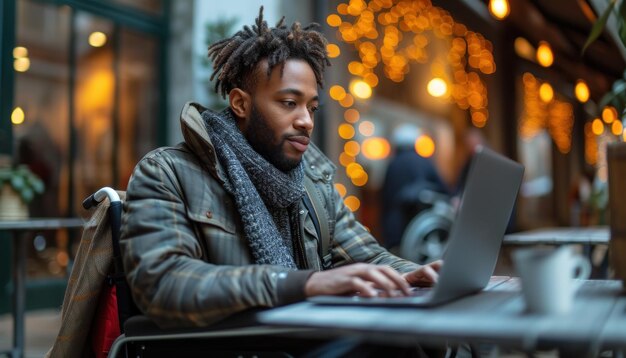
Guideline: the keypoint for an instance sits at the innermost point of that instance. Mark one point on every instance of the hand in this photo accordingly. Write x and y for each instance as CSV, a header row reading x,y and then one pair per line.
x,y
426,275
364,279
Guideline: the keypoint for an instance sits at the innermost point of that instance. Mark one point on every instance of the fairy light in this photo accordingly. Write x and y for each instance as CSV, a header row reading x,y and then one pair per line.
x,y
545,57
500,9
581,90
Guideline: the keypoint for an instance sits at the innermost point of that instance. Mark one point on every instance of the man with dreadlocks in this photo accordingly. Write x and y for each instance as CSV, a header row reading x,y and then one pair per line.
x,y
218,224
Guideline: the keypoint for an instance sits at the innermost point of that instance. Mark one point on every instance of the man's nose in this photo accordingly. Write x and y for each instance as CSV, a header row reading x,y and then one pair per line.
x,y
304,120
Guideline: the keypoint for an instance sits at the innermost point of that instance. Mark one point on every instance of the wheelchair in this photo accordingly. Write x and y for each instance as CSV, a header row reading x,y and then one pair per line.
x,y
116,327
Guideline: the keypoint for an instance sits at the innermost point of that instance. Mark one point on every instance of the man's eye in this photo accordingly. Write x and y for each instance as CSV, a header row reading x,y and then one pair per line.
x,y
314,109
289,104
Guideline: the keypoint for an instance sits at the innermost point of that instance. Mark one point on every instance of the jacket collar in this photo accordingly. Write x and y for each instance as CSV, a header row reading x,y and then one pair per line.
x,y
317,165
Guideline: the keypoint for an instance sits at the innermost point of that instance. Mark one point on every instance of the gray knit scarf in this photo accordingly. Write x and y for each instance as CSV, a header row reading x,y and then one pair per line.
x,y
267,198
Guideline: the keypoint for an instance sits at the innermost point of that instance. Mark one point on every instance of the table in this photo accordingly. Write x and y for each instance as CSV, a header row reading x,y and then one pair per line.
x,y
592,235
597,321
18,268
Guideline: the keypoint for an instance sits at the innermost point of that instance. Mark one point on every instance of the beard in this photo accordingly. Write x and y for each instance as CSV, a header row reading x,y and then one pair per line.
x,y
263,140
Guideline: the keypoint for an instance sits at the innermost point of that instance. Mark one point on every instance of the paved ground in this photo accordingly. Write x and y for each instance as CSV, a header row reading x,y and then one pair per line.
x,y
42,327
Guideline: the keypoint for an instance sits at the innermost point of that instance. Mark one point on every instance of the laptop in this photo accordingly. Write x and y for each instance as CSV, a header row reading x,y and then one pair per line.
x,y
475,238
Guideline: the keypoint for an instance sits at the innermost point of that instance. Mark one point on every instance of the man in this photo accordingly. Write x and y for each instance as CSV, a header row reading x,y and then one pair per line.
x,y
407,175
217,224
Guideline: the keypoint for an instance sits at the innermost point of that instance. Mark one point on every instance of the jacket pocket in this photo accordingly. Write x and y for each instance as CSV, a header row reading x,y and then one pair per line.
x,y
208,217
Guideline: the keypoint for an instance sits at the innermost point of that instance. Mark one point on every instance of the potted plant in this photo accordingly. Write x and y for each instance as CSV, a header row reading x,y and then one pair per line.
x,y
18,187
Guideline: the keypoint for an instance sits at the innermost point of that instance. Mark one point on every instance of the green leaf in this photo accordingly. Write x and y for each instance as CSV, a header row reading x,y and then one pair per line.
x,y
27,194
38,186
17,182
618,91
598,26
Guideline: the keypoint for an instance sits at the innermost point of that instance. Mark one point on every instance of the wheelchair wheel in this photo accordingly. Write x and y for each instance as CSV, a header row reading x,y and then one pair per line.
x,y
426,235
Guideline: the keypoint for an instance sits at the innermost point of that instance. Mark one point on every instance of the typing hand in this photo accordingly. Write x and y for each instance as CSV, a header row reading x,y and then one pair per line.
x,y
363,279
426,275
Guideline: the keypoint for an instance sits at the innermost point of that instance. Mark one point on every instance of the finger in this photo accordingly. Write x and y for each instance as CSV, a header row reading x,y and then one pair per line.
x,y
436,265
429,275
379,278
363,288
399,281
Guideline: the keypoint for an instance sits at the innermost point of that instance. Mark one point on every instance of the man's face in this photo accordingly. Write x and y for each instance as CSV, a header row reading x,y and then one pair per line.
x,y
281,118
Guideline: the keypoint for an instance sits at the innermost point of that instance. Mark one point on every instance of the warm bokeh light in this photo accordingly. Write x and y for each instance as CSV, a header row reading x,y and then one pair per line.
x,y
546,93
97,39
352,202
367,128
425,146
609,114
341,189
354,170
21,64
333,50
346,131
351,115
437,87
617,128
20,51
347,101
479,119
499,8
17,116
545,57
337,92
360,89
624,136
360,180
345,159
375,148
581,90
333,20
524,49
371,79
597,127
352,148
356,68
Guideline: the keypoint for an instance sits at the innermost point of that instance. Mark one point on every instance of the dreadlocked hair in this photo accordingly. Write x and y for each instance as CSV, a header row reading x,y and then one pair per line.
x,y
235,58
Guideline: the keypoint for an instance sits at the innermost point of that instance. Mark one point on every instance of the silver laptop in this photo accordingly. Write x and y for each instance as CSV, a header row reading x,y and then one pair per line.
x,y
472,250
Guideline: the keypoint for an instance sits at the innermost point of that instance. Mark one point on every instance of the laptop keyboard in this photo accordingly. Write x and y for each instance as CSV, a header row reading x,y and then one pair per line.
x,y
420,291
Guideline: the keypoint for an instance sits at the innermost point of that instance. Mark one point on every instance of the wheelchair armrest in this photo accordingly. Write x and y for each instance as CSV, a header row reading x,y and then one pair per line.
x,y
141,325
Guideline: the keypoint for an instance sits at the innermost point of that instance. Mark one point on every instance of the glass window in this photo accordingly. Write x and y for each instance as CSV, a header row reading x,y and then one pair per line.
x,y
42,78
138,100
93,104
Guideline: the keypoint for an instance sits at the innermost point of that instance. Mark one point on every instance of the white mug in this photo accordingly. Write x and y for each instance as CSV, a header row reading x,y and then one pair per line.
x,y
547,277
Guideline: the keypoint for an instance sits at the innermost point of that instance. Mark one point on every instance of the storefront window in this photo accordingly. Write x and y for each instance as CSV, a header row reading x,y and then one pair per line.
x,y
89,89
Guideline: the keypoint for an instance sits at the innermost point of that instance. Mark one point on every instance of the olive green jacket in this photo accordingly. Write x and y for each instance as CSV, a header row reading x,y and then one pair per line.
x,y
185,254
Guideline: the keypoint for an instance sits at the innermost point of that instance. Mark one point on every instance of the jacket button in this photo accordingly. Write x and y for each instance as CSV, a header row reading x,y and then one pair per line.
x,y
209,214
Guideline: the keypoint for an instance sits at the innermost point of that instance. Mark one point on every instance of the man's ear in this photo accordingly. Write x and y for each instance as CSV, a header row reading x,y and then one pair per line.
x,y
240,102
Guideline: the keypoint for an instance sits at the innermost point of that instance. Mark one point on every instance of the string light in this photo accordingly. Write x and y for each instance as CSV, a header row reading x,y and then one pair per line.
x,y
437,87
546,93
425,146
609,114
97,39
376,148
360,89
545,57
17,116
499,9
581,90
597,127
617,128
